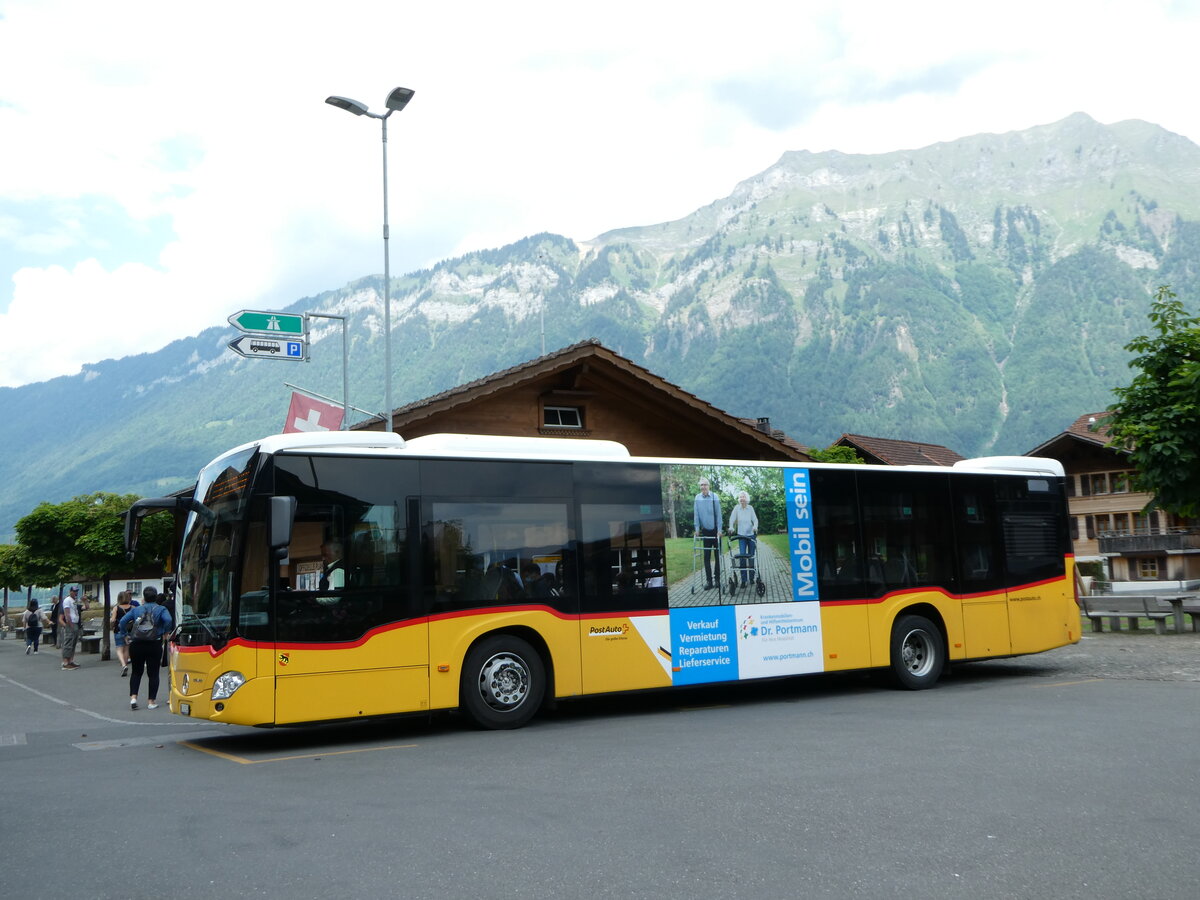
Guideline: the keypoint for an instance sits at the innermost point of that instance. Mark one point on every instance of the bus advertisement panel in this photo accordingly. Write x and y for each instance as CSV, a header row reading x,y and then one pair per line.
x,y
744,602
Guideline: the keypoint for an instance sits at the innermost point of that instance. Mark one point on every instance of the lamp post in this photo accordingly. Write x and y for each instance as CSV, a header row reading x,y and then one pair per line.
x,y
396,101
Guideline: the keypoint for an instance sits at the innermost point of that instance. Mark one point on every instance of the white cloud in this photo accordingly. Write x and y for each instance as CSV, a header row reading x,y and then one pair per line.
x,y
208,122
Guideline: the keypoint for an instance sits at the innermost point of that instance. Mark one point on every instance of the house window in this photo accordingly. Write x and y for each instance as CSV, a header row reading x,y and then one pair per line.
x,y
1120,482
562,417
1121,523
1147,569
134,587
1099,483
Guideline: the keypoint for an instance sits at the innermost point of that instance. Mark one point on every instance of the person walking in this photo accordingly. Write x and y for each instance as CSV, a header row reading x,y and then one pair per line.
x,y
70,621
33,627
125,602
743,522
143,629
706,518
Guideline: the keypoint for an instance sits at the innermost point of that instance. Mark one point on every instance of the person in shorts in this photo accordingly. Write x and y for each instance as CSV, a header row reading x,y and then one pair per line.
x,y
70,621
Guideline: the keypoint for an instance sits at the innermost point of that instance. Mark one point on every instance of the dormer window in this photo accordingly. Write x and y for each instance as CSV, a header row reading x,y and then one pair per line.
x,y
562,417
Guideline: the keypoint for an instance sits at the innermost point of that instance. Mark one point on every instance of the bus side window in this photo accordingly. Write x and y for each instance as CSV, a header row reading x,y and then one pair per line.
x,y
976,536
622,537
908,530
346,571
1034,527
839,541
494,552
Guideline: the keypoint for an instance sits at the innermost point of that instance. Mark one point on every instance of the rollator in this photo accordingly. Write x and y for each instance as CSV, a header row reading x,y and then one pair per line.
x,y
743,564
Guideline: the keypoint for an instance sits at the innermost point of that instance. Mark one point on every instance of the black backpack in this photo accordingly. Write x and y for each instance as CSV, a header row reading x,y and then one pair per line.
x,y
144,628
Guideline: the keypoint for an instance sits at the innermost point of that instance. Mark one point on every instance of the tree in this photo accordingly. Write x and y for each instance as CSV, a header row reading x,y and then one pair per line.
x,y
12,571
84,539
835,455
1156,418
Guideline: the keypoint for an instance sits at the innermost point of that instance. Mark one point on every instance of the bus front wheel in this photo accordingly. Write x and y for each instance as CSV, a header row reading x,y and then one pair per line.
x,y
503,681
918,653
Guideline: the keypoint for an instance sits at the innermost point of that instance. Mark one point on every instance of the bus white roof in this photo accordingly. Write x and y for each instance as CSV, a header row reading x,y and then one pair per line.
x,y
481,445
1017,465
498,446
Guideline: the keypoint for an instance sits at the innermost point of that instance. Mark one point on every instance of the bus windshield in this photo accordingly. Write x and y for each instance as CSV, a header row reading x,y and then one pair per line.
x,y
210,550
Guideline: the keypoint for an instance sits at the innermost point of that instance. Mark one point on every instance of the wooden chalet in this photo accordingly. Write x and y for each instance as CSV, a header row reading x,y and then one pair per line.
x,y
1110,521
588,391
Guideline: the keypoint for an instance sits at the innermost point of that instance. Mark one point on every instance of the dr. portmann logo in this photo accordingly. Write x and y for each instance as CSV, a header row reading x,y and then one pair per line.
x,y
608,630
774,628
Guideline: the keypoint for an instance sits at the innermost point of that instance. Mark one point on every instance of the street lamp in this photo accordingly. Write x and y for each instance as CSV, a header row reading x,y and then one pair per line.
x,y
396,101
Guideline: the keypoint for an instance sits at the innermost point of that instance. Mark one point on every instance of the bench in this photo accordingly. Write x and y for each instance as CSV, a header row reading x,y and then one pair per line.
x,y
1193,609
1130,607
90,643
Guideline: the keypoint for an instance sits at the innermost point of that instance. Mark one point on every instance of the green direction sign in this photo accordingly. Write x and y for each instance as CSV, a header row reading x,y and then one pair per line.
x,y
267,322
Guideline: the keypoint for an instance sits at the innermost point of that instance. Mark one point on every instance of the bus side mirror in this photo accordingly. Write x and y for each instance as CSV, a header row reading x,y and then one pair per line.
x,y
283,514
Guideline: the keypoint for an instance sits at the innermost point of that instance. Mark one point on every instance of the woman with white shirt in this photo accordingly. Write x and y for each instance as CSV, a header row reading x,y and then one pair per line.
x,y
743,522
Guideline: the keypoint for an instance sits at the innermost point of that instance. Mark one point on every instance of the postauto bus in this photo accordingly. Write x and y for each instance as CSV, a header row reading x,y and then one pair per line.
x,y
334,576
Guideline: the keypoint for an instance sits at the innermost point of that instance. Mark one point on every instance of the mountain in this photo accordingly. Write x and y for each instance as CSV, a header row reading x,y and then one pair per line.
x,y
976,293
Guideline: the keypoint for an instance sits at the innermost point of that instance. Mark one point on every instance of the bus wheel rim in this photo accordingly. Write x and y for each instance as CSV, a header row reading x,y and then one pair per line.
x,y
504,681
917,652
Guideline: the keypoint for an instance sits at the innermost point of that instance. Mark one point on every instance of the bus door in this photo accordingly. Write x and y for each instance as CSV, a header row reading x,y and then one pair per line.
x,y
351,637
496,539
1033,520
981,574
624,634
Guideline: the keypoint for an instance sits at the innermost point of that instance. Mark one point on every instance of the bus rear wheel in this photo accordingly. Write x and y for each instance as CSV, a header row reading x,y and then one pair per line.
x,y
918,653
503,682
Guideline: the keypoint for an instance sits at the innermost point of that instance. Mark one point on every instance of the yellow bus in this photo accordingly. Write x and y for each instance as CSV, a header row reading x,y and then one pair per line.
x,y
334,576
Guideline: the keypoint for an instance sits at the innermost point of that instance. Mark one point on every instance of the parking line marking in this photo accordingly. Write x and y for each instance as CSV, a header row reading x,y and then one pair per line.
x,y
122,743
1069,683
87,712
251,762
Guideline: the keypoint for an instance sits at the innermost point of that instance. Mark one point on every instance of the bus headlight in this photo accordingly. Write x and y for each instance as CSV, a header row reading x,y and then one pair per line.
x,y
226,684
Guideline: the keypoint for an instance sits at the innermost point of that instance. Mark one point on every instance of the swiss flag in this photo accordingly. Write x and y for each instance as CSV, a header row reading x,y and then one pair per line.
x,y
306,414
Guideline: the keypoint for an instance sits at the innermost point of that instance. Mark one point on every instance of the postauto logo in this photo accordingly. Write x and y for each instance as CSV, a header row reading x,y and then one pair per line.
x,y
607,630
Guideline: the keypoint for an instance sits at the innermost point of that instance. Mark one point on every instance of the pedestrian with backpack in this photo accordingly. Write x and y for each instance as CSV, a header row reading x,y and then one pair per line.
x,y
143,628
32,620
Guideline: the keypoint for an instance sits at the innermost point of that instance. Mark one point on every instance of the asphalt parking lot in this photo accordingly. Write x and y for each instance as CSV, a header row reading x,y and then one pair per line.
x,y
1066,774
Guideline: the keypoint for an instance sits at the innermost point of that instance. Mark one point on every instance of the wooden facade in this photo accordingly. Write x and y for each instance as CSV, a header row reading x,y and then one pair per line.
x,y
588,391
1109,520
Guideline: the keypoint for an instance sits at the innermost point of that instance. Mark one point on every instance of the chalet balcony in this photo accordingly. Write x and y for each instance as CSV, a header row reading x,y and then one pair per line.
x,y
1174,540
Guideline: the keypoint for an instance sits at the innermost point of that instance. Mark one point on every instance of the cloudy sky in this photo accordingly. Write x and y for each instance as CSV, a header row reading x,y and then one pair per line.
x,y
164,164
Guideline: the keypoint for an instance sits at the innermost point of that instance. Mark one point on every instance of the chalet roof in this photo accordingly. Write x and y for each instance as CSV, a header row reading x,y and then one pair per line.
x,y
586,353
894,452
1090,428
779,435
